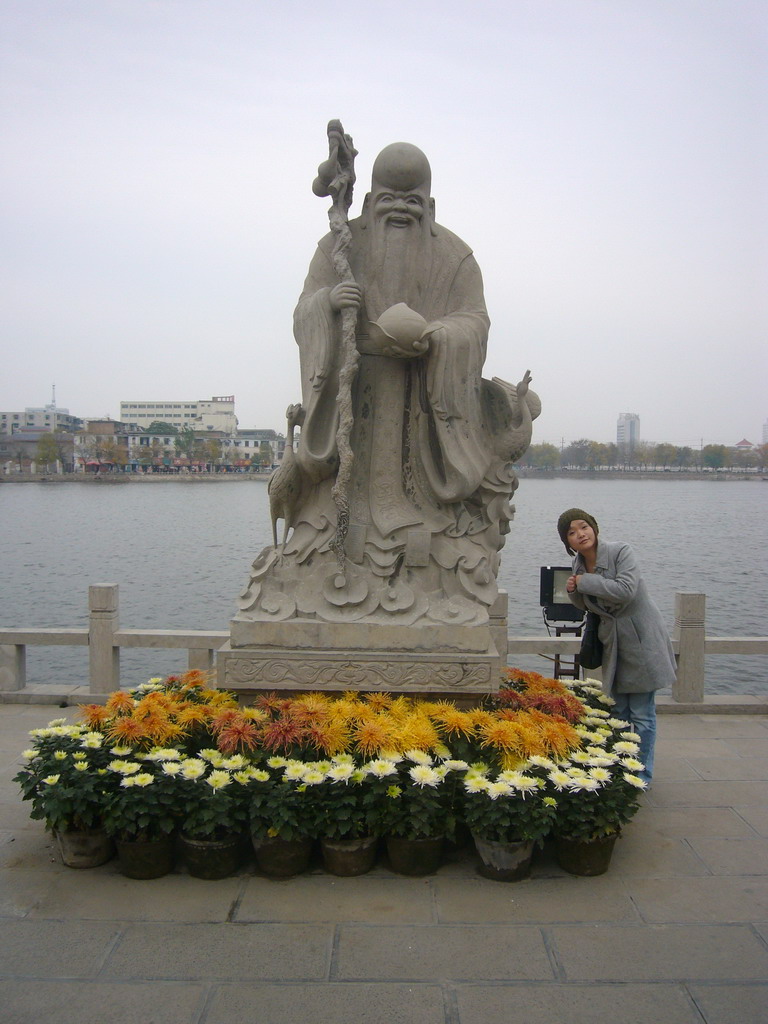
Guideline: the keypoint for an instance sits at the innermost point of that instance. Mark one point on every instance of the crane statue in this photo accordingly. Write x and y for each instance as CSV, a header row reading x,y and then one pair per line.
x,y
285,484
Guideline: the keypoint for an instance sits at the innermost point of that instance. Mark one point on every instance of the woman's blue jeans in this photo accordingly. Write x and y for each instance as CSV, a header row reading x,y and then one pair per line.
x,y
639,709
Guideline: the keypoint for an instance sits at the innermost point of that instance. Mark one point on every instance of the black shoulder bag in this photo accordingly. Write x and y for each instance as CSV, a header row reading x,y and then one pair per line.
x,y
591,650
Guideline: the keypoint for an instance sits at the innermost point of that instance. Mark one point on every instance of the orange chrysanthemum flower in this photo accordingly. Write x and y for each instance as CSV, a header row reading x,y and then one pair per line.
x,y
453,721
94,715
238,735
120,703
126,730
378,701
417,732
374,735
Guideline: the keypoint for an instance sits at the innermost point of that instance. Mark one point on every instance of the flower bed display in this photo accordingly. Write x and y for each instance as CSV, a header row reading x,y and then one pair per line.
x,y
537,758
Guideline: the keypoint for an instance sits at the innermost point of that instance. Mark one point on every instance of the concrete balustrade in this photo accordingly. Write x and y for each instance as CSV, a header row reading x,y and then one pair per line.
x,y
105,639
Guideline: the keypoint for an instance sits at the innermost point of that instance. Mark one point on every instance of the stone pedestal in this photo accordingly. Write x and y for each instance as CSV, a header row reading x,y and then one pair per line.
x,y
306,654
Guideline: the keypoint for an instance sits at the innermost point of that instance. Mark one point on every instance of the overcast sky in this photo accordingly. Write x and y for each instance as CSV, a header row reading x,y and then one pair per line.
x,y
605,159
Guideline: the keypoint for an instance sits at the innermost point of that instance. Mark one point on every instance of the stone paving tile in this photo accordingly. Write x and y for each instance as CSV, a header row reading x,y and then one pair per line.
x,y
660,953
708,794
541,900
108,896
575,1004
674,769
733,856
493,952
68,1002
376,897
641,851
686,822
691,747
29,848
731,1004
756,816
719,727
221,952
342,1003
755,746
709,900
731,769
54,949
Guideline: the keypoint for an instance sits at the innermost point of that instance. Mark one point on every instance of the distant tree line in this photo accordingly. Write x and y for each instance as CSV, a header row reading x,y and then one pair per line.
x,y
586,454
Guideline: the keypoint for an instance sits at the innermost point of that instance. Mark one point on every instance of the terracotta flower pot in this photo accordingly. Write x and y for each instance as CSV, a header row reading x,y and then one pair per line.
x,y
145,858
85,849
585,856
505,861
415,856
281,858
211,858
348,857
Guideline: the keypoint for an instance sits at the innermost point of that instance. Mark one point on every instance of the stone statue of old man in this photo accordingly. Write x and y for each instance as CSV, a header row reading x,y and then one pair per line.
x,y
432,442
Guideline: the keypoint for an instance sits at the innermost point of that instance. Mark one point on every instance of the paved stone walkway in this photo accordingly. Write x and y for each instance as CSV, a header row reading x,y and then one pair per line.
x,y
675,933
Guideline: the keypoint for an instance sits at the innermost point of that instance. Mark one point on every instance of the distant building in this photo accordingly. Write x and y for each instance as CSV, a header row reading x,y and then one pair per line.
x,y
743,446
217,413
628,431
765,432
48,417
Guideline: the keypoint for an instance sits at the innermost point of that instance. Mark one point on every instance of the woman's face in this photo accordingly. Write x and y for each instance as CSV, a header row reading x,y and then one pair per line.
x,y
581,537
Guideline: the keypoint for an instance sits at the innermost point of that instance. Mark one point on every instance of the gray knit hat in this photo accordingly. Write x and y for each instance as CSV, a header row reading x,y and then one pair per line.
x,y
565,520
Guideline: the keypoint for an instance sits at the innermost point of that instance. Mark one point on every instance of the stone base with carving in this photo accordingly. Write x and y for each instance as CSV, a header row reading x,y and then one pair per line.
x,y
425,662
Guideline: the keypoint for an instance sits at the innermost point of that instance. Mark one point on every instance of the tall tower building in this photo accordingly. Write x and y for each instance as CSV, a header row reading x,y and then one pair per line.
x,y
628,430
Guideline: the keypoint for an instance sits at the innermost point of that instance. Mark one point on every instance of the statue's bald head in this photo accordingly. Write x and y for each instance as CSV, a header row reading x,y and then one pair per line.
x,y
402,167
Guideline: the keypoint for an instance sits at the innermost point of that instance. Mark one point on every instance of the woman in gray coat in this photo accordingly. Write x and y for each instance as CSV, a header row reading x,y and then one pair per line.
x,y
637,653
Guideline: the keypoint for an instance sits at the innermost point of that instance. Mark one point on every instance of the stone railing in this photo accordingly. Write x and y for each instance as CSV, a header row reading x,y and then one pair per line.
x,y
104,639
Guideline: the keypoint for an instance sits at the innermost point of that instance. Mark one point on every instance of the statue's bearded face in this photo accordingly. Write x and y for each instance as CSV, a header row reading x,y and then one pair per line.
x,y
399,209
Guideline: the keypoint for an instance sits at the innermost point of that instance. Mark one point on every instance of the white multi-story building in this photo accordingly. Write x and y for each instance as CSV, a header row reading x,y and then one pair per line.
x,y
628,430
216,413
49,417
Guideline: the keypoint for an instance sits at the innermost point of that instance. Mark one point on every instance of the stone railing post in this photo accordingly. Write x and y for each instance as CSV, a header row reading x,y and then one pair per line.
x,y
103,623
13,667
689,634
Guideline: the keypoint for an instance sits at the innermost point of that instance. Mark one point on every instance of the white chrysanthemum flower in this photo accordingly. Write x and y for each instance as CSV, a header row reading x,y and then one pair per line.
x,y
171,767
633,737
453,765
539,761
583,784
276,762
418,756
381,768
476,783
602,762
163,754
322,766
635,780
575,771
259,775
605,699
313,776
59,755
210,754
341,772
92,741
596,751
498,789
127,781
580,756
143,779
80,766
442,751
358,776
51,780
29,754
475,770
441,770
343,759
597,738
235,763
525,784
423,775
242,777
509,776
632,764
602,775
121,750
79,755
582,730
193,768
559,779
294,771
124,767
625,747
219,779
598,713
391,755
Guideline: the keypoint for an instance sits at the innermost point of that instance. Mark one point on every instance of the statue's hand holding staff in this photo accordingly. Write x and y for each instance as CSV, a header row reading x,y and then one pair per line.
x,y
346,295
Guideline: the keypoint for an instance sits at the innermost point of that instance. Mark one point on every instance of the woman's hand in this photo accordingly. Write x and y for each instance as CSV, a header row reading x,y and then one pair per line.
x,y
572,584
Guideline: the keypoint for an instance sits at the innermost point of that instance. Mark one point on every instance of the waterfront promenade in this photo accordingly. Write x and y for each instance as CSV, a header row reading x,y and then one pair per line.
x,y
675,933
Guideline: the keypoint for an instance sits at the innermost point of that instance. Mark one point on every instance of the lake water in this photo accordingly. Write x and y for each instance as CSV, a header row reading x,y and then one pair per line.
x,y
181,552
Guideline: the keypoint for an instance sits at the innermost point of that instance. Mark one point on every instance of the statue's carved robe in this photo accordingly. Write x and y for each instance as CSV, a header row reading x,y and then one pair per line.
x,y
431,480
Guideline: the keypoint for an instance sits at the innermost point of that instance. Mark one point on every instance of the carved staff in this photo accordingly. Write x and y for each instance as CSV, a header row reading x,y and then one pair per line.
x,y
336,178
